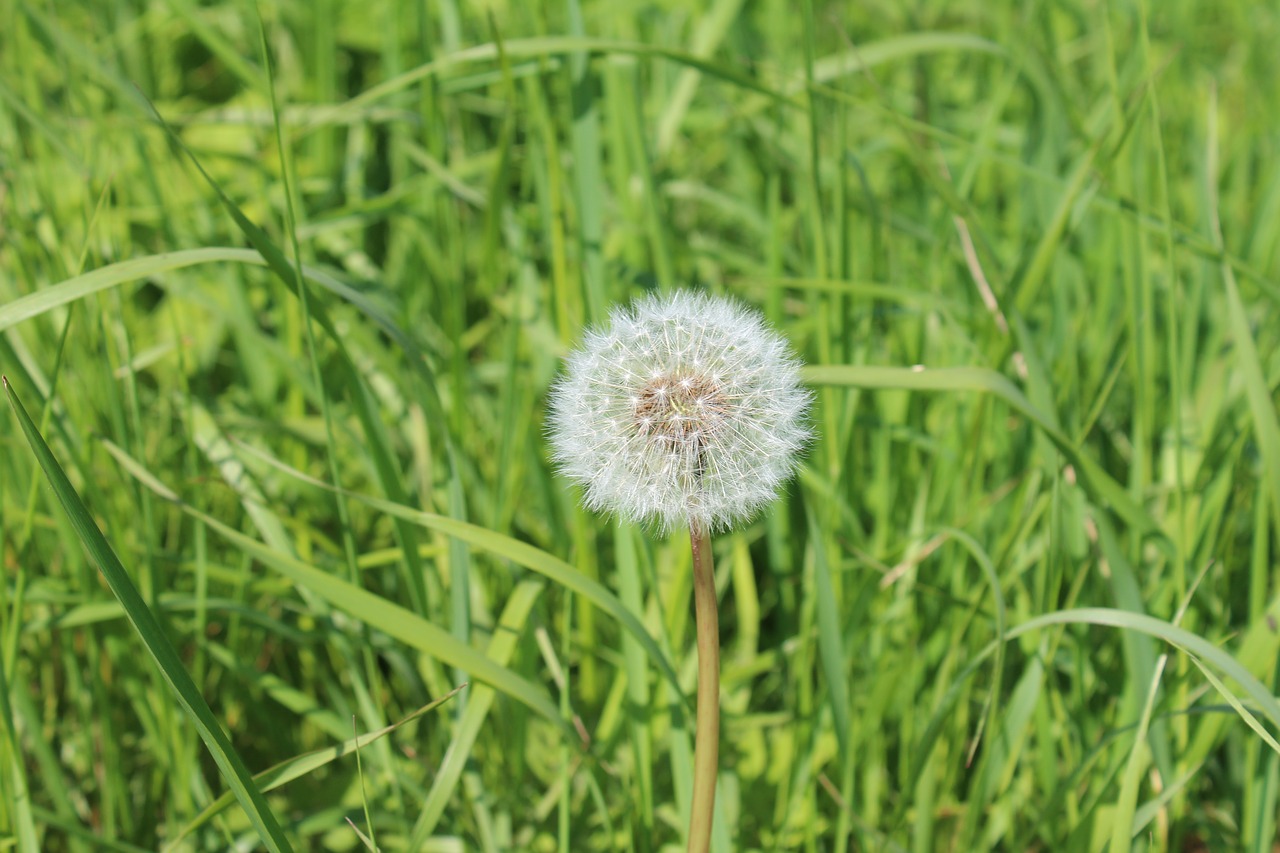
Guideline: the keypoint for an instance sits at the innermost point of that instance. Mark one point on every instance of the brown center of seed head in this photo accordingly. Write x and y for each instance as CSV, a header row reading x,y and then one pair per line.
x,y
679,408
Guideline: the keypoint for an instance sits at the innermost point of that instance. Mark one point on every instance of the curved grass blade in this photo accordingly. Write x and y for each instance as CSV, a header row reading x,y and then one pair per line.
x,y
863,57
350,374
1095,480
78,287
153,637
1198,647
548,46
521,553
76,830
288,770
391,619
104,278
1200,650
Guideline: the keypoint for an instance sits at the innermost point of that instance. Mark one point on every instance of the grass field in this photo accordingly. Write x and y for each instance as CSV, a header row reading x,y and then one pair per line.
x,y
282,291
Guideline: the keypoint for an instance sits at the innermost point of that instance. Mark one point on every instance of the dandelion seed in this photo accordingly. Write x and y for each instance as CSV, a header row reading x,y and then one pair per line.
x,y
685,410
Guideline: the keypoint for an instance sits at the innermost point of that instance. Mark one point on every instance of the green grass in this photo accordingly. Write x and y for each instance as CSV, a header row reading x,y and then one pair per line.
x,y
280,303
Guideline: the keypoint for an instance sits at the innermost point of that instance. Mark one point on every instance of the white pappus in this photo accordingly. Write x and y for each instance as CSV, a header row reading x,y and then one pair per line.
x,y
685,410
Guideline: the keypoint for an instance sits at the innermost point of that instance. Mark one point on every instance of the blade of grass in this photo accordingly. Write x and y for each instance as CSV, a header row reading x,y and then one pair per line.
x,y
559,46
153,637
1180,638
374,610
710,31
521,553
637,684
588,183
515,616
15,785
295,768
1262,407
377,442
830,639
1092,475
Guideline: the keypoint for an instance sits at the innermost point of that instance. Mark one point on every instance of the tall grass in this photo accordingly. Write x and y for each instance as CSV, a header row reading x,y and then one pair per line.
x,y
282,290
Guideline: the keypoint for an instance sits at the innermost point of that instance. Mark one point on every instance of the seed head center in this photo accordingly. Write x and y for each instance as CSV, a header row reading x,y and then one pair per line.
x,y
680,408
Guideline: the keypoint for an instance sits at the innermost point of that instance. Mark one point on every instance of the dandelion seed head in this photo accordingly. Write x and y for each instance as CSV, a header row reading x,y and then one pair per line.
x,y
685,409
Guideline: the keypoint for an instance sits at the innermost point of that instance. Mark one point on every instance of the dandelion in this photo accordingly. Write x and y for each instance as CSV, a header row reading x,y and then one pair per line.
x,y
685,411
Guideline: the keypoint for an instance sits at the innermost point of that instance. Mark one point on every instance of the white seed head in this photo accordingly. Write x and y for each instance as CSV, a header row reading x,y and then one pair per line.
x,y
685,410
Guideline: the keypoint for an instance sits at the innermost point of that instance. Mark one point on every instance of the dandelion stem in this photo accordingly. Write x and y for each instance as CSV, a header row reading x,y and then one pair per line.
x,y
706,745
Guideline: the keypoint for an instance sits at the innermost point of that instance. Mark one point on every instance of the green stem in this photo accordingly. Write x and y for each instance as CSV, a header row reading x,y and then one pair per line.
x,y
706,745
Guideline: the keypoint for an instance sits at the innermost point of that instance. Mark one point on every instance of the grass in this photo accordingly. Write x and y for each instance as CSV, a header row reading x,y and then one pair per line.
x,y
282,290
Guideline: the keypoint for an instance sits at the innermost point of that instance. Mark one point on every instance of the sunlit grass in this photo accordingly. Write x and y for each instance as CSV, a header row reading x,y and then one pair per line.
x,y
1028,251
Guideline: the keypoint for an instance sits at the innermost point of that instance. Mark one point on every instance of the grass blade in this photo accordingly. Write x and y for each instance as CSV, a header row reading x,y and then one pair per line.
x,y
502,646
153,637
298,766
1095,479
830,639
391,619
521,553
1181,638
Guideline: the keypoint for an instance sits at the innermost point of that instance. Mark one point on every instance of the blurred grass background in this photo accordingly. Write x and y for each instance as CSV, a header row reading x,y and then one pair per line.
x,y
1067,212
